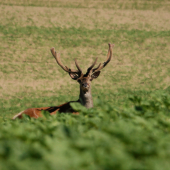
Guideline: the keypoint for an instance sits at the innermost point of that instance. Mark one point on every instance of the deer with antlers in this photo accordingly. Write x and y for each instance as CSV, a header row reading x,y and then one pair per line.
x,y
85,97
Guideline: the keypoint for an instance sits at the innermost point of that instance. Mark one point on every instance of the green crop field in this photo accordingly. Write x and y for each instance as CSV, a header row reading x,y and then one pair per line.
x,y
129,126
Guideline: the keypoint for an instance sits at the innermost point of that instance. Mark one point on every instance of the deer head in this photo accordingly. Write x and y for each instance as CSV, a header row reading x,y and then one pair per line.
x,y
92,73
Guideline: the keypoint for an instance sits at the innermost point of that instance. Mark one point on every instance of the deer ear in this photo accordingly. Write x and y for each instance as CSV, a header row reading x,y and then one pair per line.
x,y
74,76
95,75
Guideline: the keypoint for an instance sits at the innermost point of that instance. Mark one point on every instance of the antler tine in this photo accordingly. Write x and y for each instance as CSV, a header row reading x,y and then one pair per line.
x,y
109,56
90,68
65,68
57,58
97,67
93,64
78,67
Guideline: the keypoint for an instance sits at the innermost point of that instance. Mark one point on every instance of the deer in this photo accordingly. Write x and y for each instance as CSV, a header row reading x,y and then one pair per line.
x,y
84,80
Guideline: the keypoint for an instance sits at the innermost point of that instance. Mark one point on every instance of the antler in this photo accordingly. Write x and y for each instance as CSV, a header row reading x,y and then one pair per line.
x,y
109,56
65,68
90,68
78,73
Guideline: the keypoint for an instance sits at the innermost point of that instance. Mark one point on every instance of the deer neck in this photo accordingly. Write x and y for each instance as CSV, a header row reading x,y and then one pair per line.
x,y
86,98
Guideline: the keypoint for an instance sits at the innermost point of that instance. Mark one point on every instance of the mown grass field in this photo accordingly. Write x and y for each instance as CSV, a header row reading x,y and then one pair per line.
x,y
129,127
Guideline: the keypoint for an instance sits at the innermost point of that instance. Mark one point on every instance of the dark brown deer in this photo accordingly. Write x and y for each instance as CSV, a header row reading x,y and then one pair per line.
x,y
85,97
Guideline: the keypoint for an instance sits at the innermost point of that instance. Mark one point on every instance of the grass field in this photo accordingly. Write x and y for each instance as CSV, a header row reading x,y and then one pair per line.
x,y
129,127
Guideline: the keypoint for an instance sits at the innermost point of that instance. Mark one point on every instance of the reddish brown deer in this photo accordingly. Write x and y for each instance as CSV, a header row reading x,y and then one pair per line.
x,y
85,97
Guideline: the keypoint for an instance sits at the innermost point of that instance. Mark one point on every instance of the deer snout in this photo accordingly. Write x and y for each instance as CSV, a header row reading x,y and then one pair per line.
x,y
85,85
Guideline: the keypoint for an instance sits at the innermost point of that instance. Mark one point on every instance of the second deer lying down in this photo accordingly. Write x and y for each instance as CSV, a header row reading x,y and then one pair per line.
x,y
85,97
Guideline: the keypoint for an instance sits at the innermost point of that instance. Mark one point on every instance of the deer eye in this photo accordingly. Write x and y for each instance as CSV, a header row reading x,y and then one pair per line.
x,y
79,81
